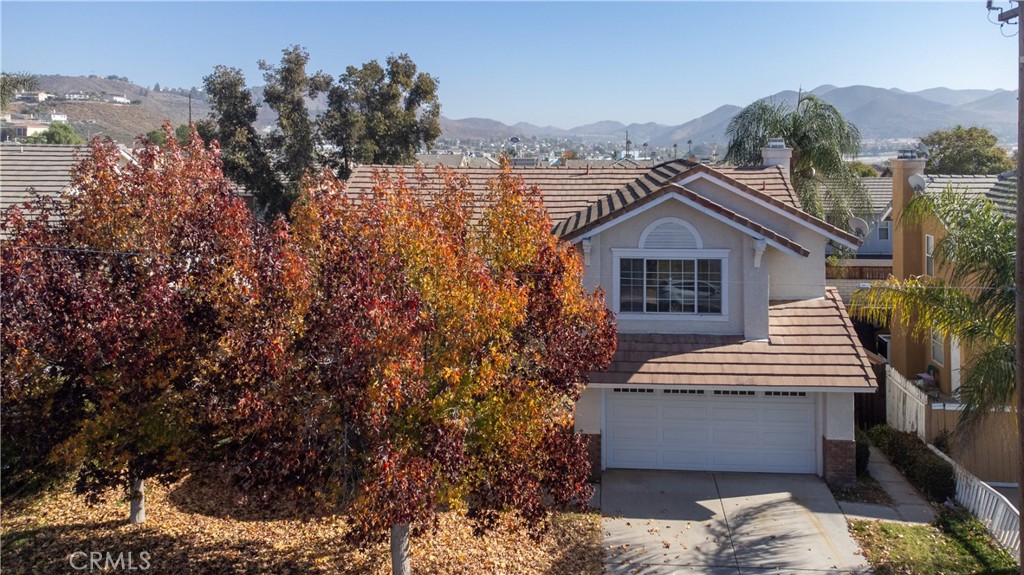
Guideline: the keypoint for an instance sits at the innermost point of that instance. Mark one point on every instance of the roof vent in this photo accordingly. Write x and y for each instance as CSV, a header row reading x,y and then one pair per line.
x,y
776,143
907,154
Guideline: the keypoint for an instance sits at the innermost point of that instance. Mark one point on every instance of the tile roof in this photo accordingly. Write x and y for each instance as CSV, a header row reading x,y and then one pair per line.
x,y
769,184
565,190
46,168
999,189
581,199
812,345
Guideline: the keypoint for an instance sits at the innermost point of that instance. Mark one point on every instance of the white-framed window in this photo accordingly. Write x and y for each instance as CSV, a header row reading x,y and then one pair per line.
x,y
884,228
671,283
938,348
929,255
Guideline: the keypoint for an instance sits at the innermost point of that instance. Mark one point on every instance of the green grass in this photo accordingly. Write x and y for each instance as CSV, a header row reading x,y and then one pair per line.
x,y
956,545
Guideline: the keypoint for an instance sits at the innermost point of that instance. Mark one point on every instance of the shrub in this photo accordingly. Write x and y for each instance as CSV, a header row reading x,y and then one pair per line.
x,y
863,452
928,472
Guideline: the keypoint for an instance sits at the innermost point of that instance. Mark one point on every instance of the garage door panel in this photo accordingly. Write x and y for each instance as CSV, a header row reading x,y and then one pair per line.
x,y
636,458
683,460
734,413
710,432
684,412
691,435
635,433
636,409
788,438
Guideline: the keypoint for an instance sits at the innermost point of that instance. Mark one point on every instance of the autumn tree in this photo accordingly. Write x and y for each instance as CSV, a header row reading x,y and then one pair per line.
x,y
426,349
112,309
379,114
962,150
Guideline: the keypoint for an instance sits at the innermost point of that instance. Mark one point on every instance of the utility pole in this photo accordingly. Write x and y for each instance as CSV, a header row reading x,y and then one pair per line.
x,y
1019,269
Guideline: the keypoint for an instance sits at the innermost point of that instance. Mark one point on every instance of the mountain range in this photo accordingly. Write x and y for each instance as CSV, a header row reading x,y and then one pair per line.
x,y
879,113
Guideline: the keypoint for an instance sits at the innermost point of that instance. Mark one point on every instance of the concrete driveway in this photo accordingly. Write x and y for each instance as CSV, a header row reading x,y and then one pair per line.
x,y
678,522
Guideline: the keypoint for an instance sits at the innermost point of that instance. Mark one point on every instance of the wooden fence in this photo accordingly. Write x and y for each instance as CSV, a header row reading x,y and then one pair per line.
x,y
996,513
988,449
906,406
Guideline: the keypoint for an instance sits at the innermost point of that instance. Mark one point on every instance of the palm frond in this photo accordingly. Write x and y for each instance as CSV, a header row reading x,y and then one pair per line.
x,y
989,382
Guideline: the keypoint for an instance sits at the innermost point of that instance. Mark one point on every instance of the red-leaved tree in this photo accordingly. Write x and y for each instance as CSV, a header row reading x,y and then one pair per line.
x,y
113,306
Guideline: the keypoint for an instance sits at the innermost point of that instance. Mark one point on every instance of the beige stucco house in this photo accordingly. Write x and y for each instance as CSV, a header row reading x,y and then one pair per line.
x,y
733,355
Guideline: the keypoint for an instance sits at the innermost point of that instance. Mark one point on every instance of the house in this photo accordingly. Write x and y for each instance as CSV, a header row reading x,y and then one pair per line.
x,y
25,129
42,168
733,355
114,99
33,96
922,396
873,259
54,117
77,96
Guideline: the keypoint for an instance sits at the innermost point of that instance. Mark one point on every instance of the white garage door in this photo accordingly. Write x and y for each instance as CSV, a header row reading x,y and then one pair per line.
x,y
710,430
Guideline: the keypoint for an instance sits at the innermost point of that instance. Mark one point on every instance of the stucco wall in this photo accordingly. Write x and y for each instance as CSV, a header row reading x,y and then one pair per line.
x,y
588,412
714,235
839,423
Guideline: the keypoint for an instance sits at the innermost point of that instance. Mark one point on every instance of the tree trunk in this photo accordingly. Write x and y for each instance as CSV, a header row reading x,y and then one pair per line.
x,y
400,549
138,502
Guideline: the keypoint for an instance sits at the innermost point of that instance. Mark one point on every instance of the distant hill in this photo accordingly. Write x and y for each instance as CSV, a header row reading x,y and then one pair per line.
x,y
879,113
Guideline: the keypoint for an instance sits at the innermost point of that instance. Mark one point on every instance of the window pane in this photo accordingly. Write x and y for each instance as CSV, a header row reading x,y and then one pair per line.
x,y
709,286
631,285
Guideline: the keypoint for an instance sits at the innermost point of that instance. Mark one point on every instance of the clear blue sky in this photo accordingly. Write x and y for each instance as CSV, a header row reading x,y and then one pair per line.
x,y
561,64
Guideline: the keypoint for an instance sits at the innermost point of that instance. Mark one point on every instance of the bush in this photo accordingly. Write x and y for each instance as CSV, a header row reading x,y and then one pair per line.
x,y
863,452
928,472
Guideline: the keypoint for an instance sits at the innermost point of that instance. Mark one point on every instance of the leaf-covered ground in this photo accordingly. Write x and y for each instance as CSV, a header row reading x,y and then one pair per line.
x,y
956,545
195,528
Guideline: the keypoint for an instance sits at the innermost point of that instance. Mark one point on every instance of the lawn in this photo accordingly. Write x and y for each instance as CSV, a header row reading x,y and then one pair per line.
x,y
956,545
198,528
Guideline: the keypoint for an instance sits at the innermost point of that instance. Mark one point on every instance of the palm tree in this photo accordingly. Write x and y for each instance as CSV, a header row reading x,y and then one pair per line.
x,y
973,301
821,138
14,82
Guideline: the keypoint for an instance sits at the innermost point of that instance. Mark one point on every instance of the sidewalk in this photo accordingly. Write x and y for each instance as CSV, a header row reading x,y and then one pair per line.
x,y
909,507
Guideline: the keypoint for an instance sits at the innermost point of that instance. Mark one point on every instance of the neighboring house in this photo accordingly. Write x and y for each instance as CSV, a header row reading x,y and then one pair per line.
x,y
42,168
732,353
25,129
873,259
54,117
77,96
456,161
933,364
33,96
114,99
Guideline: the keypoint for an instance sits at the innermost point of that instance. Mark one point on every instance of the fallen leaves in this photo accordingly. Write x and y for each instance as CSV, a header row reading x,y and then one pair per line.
x,y
184,535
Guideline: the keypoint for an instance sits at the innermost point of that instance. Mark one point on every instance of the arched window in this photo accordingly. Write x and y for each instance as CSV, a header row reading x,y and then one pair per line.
x,y
670,234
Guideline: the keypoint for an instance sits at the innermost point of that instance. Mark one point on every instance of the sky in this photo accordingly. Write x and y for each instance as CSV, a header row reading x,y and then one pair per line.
x,y
561,64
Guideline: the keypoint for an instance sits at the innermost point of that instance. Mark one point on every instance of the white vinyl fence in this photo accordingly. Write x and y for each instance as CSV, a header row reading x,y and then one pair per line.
x,y
996,513
906,406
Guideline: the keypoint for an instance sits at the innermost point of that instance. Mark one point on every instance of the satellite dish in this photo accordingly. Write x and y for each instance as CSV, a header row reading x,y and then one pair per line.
x,y
917,182
922,150
859,226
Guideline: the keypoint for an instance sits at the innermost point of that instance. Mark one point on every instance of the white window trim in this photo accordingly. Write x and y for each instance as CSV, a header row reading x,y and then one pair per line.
x,y
654,225
941,341
887,227
620,253
929,255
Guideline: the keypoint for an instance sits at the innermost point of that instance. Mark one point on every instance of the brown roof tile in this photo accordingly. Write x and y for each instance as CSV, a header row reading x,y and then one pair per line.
x,y
812,344
45,168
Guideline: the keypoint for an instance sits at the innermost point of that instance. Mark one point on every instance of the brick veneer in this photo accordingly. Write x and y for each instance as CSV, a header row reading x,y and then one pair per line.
x,y
594,453
840,459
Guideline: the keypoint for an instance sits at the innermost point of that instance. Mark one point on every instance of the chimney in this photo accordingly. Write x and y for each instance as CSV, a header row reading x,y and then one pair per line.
x,y
777,154
907,249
